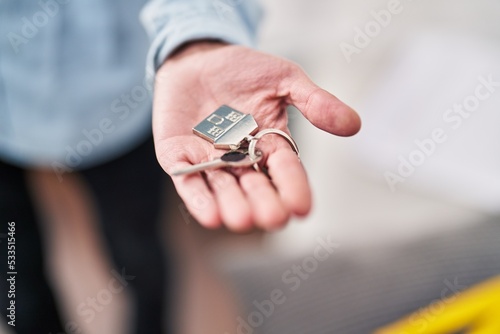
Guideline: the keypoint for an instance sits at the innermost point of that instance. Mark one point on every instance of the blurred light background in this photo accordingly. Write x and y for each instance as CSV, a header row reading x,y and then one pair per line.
x,y
427,58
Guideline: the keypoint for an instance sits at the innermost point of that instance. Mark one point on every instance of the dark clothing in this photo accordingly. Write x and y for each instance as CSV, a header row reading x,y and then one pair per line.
x,y
128,194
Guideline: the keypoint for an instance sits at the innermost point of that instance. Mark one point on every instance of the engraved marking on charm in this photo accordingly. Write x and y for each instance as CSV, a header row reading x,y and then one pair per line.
x,y
215,119
226,128
234,117
215,131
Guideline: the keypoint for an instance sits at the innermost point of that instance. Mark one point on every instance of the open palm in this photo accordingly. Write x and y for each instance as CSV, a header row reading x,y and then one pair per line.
x,y
203,76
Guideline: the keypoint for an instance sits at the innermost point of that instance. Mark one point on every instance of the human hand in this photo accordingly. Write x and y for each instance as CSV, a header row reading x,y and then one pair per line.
x,y
198,79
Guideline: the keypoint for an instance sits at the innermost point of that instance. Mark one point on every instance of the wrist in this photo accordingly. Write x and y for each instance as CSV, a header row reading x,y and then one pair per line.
x,y
193,47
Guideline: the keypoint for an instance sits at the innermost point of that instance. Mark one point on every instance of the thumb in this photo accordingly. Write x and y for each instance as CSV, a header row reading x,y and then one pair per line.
x,y
321,108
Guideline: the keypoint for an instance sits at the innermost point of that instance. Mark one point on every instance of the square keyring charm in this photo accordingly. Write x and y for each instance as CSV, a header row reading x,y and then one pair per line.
x,y
226,128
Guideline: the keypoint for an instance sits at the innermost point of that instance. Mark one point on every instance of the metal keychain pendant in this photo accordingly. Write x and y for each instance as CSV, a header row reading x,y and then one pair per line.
x,y
226,128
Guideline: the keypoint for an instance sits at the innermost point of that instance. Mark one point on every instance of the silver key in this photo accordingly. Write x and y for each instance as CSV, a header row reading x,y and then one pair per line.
x,y
229,159
226,128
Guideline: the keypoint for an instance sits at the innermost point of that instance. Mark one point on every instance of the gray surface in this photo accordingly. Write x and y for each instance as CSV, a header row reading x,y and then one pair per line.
x,y
359,292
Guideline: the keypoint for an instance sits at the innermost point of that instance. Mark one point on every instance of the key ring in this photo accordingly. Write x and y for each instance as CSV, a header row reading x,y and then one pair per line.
x,y
254,139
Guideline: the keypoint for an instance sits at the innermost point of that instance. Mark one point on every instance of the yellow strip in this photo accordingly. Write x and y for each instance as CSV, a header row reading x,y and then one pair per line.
x,y
476,310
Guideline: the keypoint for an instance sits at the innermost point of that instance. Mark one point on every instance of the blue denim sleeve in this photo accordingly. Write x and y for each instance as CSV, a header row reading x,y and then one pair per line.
x,y
170,23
